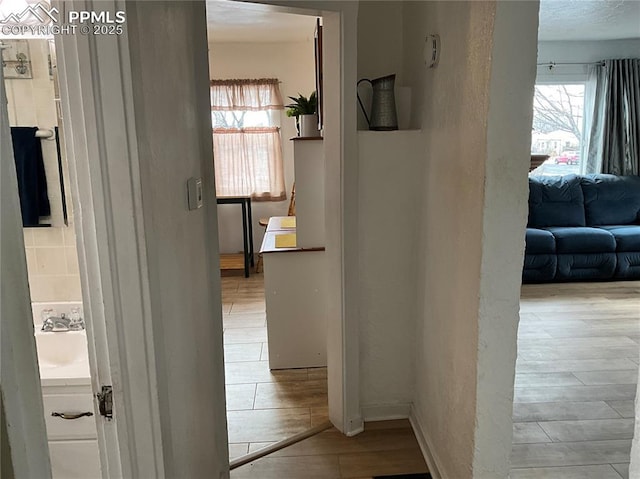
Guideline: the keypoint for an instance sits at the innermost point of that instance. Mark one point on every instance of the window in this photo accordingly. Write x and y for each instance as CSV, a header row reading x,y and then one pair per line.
x,y
247,146
557,128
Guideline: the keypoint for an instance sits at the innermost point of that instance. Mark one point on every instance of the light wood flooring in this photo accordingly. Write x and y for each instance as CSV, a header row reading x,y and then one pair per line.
x,y
576,375
384,448
264,407
576,380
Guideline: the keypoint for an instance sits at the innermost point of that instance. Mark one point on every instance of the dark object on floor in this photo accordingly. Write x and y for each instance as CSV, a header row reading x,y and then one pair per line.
x,y
406,476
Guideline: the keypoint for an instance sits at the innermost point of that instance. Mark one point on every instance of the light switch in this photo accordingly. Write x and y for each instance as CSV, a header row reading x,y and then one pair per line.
x,y
194,190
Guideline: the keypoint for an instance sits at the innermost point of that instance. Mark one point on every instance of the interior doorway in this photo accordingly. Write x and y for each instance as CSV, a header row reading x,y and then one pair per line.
x,y
577,368
33,101
272,391
134,325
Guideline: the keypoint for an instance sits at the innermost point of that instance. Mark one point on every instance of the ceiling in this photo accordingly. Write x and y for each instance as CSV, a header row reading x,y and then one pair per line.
x,y
589,19
232,21
229,21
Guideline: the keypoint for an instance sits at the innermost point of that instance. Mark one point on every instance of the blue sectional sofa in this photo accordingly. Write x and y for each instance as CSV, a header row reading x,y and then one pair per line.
x,y
583,228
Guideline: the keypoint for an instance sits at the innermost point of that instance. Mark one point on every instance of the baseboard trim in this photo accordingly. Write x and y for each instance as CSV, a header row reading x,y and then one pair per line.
x,y
386,412
356,426
425,443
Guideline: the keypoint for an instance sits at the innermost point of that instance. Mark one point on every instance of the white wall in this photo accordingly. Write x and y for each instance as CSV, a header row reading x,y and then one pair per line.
x,y
505,211
580,51
52,258
294,65
472,229
414,71
174,144
379,47
390,192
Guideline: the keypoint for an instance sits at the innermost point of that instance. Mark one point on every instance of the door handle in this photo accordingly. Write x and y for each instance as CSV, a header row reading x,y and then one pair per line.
x,y
66,415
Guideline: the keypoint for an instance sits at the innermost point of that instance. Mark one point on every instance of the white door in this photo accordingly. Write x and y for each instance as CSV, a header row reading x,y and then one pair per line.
x,y
148,264
95,119
22,417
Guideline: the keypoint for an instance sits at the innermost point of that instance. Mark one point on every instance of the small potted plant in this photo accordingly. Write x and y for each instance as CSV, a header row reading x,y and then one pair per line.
x,y
305,111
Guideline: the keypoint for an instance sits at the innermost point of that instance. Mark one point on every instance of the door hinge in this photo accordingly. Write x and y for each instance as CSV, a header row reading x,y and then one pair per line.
x,y
105,402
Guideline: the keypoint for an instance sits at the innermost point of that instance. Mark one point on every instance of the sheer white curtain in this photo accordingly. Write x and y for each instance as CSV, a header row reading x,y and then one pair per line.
x,y
248,162
247,146
591,163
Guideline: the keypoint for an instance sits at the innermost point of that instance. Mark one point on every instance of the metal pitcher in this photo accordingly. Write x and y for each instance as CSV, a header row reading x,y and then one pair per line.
x,y
383,104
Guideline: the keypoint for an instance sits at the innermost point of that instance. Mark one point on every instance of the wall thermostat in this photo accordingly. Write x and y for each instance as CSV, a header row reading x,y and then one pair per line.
x,y
194,193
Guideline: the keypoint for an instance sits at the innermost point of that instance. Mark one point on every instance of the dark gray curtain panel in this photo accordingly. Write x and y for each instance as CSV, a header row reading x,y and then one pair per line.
x,y
613,119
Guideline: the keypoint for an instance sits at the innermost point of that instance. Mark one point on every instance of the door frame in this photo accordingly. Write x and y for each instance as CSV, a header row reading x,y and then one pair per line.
x,y
96,85
340,35
23,436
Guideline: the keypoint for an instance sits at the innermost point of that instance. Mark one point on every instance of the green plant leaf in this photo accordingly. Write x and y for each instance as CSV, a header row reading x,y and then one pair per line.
x,y
302,105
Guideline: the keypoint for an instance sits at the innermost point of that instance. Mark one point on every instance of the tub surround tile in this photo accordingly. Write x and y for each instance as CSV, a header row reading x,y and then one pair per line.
x,y
50,260
47,237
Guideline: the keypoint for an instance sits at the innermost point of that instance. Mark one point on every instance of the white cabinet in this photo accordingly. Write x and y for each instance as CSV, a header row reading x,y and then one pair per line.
x,y
295,279
75,459
60,428
295,288
73,444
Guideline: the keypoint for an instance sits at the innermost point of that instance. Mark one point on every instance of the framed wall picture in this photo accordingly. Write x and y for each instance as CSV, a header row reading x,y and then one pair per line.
x,y
319,81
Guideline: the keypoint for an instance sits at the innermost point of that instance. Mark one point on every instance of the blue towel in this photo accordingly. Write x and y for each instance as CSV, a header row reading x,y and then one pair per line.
x,y
32,181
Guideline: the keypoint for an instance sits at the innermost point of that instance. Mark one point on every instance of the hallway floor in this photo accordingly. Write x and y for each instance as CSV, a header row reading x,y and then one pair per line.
x,y
576,380
384,448
263,406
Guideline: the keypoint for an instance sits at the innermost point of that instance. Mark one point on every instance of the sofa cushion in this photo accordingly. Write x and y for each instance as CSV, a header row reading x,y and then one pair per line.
x,y
540,241
627,237
539,267
586,267
583,240
628,265
555,201
611,200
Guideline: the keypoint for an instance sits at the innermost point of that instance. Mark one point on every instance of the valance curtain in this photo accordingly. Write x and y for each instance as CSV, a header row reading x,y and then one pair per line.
x,y
246,95
248,150
612,118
